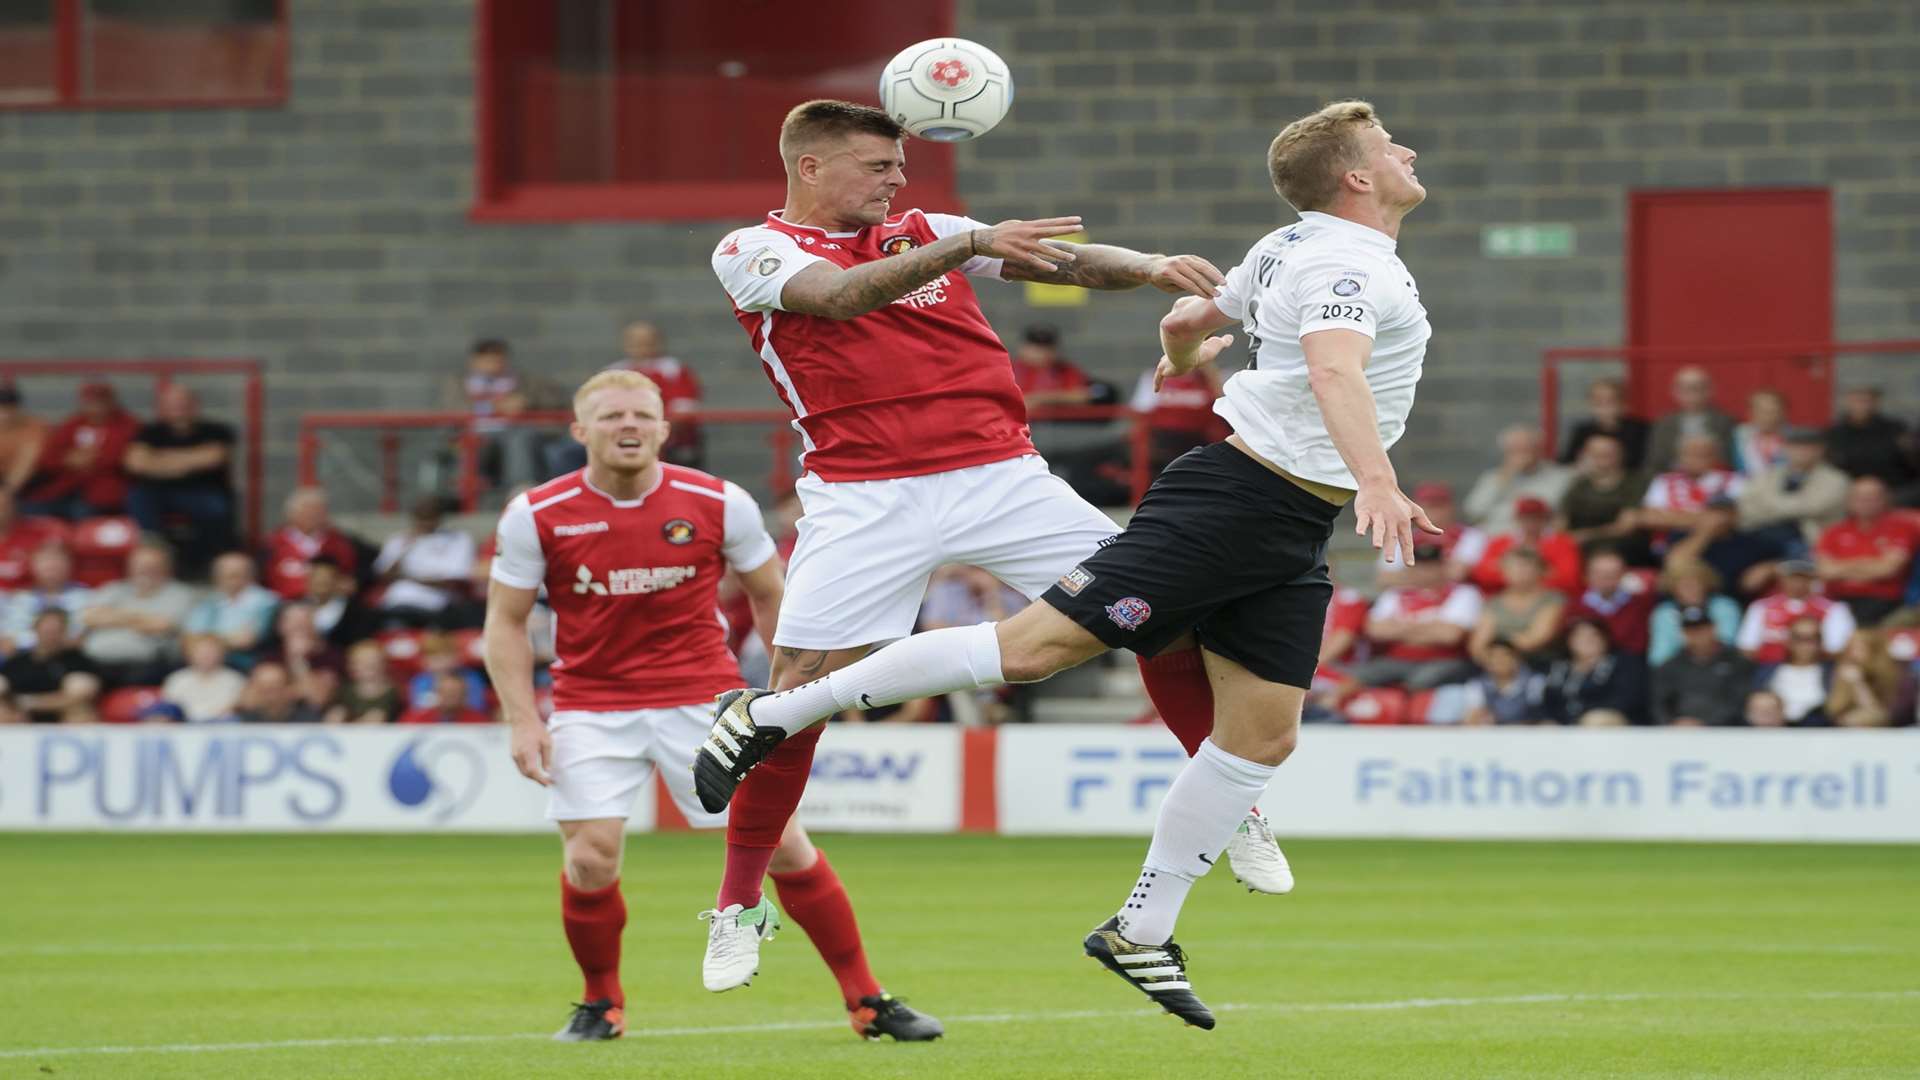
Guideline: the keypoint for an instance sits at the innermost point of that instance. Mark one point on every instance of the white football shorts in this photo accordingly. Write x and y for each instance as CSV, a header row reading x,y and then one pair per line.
x,y
601,759
866,547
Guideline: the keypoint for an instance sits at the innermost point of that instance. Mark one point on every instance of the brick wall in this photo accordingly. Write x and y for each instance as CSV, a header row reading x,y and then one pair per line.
x,y
330,238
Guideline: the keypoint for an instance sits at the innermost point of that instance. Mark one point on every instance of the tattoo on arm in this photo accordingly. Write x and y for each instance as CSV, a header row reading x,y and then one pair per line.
x,y
850,293
1095,266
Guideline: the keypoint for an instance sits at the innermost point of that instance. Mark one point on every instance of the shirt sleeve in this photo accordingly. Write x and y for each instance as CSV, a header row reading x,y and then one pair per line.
x,y
747,545
1335,290
1837,628
1232,297
1657,498
518,561
755,264
1387,607
945,225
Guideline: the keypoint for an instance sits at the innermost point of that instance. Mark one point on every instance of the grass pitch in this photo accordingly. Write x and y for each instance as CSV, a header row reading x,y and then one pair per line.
x,y
309,956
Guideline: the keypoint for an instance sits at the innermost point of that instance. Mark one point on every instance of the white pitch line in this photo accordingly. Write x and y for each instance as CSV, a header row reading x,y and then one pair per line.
x,y
1400,1005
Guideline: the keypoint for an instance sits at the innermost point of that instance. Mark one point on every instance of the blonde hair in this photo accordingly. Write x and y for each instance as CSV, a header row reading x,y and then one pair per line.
x,y
613,379
1309,155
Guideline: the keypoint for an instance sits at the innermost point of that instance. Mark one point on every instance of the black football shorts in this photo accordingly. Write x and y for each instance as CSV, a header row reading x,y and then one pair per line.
x,y
1223,546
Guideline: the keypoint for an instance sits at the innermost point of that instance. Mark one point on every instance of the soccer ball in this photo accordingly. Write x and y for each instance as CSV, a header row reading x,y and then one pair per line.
x,y
946,89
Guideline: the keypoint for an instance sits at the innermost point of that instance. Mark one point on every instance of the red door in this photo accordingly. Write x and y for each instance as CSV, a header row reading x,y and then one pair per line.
x,y
1733,268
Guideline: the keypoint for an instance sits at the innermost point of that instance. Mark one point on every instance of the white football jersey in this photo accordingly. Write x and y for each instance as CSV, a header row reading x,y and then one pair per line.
x,y
1320,273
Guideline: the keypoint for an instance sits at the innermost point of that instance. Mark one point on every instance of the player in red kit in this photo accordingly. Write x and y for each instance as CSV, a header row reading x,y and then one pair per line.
x,y
631,551
915,442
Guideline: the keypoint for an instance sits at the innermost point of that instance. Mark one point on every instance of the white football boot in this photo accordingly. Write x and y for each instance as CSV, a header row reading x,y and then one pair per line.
x,y
733,943
1256,858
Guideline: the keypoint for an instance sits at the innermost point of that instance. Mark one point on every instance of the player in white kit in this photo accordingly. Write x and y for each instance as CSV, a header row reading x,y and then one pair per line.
x,y
1230,542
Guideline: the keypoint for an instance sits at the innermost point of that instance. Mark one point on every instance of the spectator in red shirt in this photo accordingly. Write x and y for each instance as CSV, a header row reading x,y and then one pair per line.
x,y
1623,604
306,535
1180,412
20,537
449,704
82,466
1533,519
1043,375
1420,629
646,352
1864,559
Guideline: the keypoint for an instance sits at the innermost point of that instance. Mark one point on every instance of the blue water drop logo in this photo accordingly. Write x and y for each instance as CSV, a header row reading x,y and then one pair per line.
x,y
409,783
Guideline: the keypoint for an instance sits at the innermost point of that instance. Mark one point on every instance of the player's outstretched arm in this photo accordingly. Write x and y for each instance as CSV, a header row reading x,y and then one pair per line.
x,y
1103,266
509,655
836,293
1184,344
1336,362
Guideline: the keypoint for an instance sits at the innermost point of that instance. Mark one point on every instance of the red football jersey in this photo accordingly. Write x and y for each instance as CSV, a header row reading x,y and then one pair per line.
x,y
921,385
1764,629
1850,540
289,551
634,584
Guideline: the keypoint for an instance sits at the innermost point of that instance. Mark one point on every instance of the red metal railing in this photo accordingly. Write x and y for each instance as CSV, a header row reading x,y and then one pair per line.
x,y
1632,356
163,370
782,441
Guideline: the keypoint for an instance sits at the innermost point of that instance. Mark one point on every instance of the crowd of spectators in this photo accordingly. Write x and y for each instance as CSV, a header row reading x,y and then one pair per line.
x,y
1695,568
1698,569
126,594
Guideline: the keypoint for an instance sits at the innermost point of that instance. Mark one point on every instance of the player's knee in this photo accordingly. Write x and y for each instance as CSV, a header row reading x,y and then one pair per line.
x,y
592,864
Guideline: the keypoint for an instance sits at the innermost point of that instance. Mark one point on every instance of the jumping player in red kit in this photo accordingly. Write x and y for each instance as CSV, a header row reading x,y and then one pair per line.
x,y
916,454
631,551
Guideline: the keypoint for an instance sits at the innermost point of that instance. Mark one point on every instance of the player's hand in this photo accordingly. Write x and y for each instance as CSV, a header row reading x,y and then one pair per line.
x,y
1209,349
1178,274
533,751
1025,242
1387,517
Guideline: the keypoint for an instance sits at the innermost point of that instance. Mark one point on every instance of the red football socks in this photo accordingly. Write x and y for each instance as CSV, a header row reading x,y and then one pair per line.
x,y
594,920
1177,684
818,902
761,807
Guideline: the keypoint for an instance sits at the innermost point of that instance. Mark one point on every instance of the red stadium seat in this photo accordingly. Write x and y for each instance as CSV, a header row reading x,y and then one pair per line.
x,y
1419,707
124,706
1379,705
100,547
403,652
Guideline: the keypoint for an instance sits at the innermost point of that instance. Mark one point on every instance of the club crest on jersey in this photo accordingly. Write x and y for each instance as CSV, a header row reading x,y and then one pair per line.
x,y
1074,580
1129,612
678,531
898,245
1349,283
765,263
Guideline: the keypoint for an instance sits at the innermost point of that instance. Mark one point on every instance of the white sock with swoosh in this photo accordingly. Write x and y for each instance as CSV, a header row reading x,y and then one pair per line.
x,y
1202,809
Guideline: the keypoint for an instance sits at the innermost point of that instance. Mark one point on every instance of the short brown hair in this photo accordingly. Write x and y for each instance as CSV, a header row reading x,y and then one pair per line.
x,y
1309,155
811,121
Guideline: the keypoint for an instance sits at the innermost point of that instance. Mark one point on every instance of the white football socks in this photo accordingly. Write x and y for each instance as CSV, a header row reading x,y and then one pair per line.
x,y
1202,809
924,665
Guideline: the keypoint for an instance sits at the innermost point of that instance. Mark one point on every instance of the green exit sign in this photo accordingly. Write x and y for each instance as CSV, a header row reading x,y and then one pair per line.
x,y
1527,241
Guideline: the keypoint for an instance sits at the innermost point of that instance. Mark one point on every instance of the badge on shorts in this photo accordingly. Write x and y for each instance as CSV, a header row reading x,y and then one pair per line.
x,y
1074,580
678,531
1129,612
